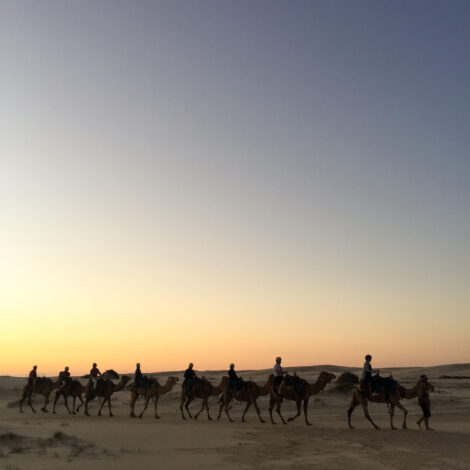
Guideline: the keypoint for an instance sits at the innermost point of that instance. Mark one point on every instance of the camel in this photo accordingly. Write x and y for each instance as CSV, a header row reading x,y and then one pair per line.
x,y
248,394
42,386
72,389
392,399
302,394
104,388
155,391
203,390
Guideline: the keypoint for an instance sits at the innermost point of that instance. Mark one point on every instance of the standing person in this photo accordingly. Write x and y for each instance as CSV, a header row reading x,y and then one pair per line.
x,y
94,374
33,375
366,377
278,373
189,377
425,404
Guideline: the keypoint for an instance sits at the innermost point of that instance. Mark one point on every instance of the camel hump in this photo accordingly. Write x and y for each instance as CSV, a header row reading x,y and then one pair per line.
x,y
110,374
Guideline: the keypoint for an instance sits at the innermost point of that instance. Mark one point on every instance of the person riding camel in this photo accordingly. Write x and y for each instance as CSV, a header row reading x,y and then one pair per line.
x,y
278,374
94,374
64,377
189,377
137,375
233,380
32,377
366,377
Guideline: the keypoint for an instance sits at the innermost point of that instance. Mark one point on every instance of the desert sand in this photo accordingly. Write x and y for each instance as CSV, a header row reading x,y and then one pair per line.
x,y
62,441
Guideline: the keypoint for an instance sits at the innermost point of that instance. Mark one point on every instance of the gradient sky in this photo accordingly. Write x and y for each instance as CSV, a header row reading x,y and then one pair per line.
x,y
222,181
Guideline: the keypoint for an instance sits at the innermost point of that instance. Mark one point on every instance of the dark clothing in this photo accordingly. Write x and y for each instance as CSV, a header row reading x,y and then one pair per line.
x,y
189,379
426,409
425,404
32,377
64,376
138,375
278,380
233,380
189,374
95,372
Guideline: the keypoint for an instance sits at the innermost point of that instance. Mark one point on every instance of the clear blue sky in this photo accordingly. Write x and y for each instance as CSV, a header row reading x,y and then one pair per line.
x,y
305,163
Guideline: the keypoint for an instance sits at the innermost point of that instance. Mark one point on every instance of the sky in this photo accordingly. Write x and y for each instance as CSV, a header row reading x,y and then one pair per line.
x,y
229,181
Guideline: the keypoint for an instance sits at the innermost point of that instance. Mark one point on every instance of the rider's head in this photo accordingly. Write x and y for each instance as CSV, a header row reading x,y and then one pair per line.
x,y
35,367
66,368
94,364
232,365
138,365
278,359
190,365
368,357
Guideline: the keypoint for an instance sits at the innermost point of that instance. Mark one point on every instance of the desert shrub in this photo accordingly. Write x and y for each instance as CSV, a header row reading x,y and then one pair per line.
x,y
345,382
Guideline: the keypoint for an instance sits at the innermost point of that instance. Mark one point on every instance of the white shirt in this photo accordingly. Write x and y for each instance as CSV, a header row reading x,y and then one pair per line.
x,y
277,370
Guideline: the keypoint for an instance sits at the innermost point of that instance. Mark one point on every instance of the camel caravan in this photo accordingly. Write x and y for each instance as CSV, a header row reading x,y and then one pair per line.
x,y
280,386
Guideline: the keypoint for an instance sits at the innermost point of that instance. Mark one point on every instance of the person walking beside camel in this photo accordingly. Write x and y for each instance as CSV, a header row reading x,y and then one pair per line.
x,y
425,404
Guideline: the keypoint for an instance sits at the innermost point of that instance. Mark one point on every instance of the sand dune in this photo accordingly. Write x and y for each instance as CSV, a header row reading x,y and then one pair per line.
x,y
47,441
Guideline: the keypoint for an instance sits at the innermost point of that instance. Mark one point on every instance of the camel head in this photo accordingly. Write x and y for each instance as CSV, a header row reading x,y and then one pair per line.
x,y
326,377
171,381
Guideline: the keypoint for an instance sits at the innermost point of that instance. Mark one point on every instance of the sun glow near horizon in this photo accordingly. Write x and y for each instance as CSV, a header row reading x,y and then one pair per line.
x,y
234,187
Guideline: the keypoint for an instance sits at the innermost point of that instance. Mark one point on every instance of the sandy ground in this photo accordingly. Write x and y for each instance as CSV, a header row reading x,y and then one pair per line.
x,y
61,441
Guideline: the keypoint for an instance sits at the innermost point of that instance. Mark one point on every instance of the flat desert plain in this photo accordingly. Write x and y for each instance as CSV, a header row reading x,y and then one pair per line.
x,y
61,441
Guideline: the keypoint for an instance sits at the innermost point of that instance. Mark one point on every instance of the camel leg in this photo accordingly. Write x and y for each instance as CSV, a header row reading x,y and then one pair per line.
x,y
258,412
297,403
87,400
46,402
405,412
307,422
186,405
202,408
132,404
66,403
248,404
146,404
156,404
391,410
271,406
207,409
23,396
353,404
81,403
101,406
367,415
73,404
109,406
181,407
278,411
57,395
221,406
